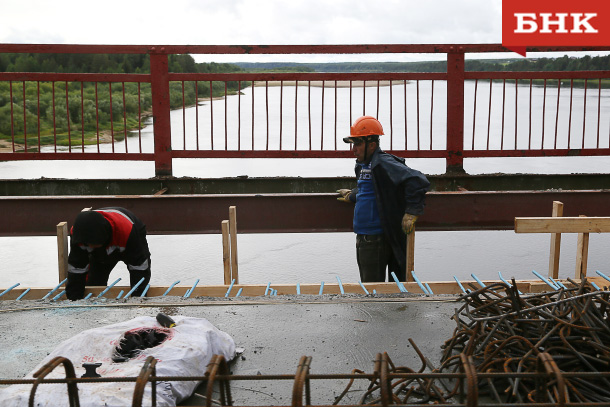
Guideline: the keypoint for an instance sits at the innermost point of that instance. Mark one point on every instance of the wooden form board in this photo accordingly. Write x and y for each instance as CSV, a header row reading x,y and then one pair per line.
x,y
555,243
62,250
410,255
233,234
563,225
226,251
583,225
582,255
229,247
258,290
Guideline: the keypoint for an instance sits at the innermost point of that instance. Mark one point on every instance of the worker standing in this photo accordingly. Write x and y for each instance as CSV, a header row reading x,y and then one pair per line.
x,y
99,240
389,197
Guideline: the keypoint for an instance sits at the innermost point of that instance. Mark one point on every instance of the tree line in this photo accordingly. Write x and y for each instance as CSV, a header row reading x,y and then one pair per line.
x,y
104,63
564,63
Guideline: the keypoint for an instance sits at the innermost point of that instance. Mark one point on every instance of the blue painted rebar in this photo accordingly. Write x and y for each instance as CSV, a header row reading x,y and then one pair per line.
x,y
374,291
553,286
23,294
401,287
321,288
274,292
145,291
55,289
477,280
460,284
230,288
58,296
595,285
558,283
120,295
429,289
419,283
506,282
188,292
170,288
88,296
363,287
340,285
298,289
502,278
108,288
135,287
267,289
239,292
599,273
9,289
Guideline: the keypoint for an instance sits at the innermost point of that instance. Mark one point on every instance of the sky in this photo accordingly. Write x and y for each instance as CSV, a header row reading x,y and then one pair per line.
x,y
254,22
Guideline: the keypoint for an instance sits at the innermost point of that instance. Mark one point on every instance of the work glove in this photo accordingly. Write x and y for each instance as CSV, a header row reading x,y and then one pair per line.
x,y
408,223
344,195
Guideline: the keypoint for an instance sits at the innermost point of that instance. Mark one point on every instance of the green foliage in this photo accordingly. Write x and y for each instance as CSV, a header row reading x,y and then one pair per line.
x,y
565,63
53,113
277,68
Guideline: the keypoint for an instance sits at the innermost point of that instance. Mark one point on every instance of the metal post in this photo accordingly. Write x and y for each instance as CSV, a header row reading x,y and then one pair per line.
x,y
455,111
159,78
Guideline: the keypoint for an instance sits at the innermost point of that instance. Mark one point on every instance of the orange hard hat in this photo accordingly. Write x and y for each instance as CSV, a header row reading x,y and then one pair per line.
x,y
364,126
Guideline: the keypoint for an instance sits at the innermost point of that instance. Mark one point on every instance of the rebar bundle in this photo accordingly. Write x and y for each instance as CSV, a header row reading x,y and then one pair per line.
x,y
503,331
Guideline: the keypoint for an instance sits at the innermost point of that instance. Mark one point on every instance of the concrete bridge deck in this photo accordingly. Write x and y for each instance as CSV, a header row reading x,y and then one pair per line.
x,y
340,333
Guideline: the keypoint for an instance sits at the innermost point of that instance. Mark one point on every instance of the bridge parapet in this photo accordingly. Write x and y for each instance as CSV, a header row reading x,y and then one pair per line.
x,y
453,115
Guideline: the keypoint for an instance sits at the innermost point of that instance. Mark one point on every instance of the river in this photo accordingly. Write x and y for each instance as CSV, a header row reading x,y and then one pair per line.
x,y
315,257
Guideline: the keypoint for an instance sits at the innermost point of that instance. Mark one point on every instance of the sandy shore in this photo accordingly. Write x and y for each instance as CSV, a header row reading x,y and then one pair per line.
x,y
327,84
7,147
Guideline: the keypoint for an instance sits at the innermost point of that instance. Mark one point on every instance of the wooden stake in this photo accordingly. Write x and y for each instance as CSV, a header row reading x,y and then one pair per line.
x,y
410,255
582,254
62,250
226,252
555,243
233,232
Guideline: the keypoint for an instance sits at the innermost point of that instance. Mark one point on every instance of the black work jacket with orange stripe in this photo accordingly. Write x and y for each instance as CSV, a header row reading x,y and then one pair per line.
x,y
127,242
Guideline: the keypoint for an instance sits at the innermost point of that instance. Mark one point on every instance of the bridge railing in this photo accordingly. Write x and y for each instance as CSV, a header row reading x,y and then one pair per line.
x,y
453,115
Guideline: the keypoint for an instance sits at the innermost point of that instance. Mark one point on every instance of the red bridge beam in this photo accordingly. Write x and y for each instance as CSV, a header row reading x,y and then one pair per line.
x,y
274,49
284,213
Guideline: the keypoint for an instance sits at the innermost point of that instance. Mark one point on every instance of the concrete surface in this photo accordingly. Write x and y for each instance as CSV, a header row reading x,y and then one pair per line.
x,y
340,333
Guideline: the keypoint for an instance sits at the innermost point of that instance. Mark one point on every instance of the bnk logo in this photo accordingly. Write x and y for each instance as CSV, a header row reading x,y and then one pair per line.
x,y
530,23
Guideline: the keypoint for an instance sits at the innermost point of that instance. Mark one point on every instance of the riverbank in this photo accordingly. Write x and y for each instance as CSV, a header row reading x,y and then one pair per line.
x,y
105,136
326,84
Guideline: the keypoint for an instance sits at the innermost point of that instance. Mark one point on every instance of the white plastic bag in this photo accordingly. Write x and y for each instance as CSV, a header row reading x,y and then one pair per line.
x,y
186,351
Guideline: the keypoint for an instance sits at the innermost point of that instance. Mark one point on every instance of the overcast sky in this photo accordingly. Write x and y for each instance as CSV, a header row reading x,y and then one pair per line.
x,y
252,22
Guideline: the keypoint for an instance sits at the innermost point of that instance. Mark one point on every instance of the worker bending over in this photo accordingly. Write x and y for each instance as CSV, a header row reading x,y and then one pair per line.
x,y
99,240
389,197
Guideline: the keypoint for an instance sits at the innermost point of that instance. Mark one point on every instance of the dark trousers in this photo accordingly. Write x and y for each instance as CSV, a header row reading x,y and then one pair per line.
x,y
374,255
99,274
